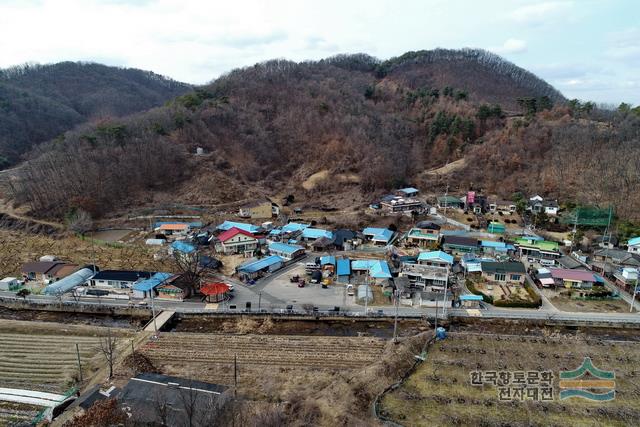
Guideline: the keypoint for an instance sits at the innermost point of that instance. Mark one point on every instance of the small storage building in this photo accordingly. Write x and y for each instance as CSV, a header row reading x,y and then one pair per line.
x,y
9,284
256,268
343,270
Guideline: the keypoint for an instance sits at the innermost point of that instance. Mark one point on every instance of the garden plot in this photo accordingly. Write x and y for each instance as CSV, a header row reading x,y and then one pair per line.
x,y
440,392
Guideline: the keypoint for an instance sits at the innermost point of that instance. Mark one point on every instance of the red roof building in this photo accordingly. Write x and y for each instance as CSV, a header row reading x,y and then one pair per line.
x,y
236,241
233,231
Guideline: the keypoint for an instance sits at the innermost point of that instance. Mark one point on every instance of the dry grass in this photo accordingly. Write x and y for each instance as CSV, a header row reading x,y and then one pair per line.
x,y
18,248
564,303
440,393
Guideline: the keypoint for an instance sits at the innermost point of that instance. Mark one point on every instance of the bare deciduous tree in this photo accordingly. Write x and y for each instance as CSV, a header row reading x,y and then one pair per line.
x,y
108,346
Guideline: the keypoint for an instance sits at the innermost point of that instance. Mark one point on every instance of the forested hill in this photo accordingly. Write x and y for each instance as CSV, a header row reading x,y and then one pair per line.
x,y
368,125
40,102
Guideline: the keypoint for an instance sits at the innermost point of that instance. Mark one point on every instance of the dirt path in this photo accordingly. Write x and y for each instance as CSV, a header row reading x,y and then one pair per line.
x,y
448,168
7,209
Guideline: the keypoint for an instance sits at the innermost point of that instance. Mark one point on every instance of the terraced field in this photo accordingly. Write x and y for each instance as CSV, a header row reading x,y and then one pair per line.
x,y
15,413
45,362
212,355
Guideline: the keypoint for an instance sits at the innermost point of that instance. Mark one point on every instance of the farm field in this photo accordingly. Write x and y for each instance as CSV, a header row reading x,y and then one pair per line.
x,y
440,391
42,357
211,356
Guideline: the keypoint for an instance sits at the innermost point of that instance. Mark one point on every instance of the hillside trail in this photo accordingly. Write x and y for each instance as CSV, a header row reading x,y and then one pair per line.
x,y
448,168
7,209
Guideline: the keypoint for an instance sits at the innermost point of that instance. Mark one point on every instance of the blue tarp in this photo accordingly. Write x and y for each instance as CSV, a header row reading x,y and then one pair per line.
x,y
261,264
183,247
470,297
151,283
344,267
283,247
435,255
228,225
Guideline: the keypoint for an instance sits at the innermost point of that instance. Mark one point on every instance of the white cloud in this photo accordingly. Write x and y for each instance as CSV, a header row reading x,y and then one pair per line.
x,y
624,45
510,46
540,13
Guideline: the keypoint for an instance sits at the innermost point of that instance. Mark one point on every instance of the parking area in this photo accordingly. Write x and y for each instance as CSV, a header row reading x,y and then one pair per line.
x,y
279,285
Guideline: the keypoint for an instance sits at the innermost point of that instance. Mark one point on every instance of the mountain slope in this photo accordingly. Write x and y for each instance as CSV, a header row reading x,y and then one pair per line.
x,y
486,76
40,102
268,127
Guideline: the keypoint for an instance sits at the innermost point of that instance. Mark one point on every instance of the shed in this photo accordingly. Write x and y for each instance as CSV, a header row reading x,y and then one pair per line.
x,y
496,228
408,192
256,268
343,270
365,293
470,301
9,284
144,288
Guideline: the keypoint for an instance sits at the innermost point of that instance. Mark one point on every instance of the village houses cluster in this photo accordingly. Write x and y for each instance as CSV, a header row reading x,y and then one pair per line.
x,y
437,260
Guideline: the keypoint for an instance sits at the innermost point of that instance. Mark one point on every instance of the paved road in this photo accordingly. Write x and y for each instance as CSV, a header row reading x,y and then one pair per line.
x,y
196,307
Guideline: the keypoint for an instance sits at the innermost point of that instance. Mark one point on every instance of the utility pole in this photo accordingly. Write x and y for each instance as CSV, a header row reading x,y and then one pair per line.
x,y
633,297
79,363
435,328
153,312
396,293
235,375
366,293
446,201
444,299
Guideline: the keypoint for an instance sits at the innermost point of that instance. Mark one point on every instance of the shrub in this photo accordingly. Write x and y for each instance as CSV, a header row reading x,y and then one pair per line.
x,y
472,288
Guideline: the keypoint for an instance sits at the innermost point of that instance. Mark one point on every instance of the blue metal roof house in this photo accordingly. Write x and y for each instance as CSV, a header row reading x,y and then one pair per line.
x,y
293,227
377,269
144,288
249,228
491,246
635,241
435,256
379,236
254,269
316,233
286,251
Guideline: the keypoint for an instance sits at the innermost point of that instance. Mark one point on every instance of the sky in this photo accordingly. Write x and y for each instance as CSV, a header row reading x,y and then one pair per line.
x,y
588,49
